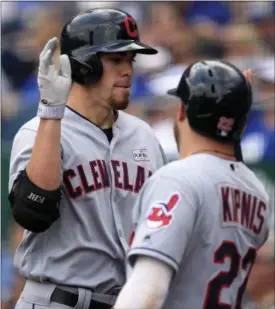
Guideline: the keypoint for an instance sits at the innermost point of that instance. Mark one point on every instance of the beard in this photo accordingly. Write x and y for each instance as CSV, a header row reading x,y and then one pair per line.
x,y
120,102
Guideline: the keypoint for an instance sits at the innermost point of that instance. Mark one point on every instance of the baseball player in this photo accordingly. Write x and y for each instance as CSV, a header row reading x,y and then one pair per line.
x,y
77,168
200,220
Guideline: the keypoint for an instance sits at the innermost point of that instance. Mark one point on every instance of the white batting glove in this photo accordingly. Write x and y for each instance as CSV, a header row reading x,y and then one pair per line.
x,y
54,86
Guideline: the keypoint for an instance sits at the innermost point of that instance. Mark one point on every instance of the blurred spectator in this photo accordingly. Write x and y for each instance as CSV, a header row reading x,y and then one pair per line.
x,y
161,62
9,12
7,275
160,116
23,36
258,142
15,67
262,15
241,44
209,48
163,22
11,282
169,29
139,87
9,99
238,12
23,40
199,11
182,45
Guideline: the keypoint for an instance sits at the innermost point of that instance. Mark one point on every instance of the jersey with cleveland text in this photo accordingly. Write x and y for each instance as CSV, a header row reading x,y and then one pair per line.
x,y
86,246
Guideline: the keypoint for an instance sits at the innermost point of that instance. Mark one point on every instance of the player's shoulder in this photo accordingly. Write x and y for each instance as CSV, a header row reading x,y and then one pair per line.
x,y
134,122
25,135
31,126
179,170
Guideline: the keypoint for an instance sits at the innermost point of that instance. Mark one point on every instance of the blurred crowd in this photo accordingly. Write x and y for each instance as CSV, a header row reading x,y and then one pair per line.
x,y
242,33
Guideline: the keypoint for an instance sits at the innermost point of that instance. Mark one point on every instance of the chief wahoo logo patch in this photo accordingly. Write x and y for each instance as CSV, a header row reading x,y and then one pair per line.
x,y
161,214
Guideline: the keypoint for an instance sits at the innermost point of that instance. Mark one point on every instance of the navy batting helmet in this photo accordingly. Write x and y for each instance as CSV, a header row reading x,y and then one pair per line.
x,y
217,98
98,30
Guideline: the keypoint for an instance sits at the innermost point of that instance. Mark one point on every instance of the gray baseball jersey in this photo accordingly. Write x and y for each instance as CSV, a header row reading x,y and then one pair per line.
x,y
205,217
86,246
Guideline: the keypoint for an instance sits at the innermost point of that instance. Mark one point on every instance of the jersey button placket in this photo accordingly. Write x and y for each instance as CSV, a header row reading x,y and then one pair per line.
x,y
114,193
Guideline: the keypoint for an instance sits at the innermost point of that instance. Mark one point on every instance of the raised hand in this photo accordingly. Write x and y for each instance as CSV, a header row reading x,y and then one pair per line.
x,y
54,85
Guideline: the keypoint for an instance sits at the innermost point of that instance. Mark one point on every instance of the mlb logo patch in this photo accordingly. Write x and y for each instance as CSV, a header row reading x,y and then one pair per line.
x,y
140,155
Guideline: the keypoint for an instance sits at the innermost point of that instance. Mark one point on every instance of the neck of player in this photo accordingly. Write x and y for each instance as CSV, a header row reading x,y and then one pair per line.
x,y
192,143
100,113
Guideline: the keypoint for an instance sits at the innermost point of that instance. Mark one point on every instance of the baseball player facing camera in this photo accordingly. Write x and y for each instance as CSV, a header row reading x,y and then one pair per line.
x,y
199,221
77,168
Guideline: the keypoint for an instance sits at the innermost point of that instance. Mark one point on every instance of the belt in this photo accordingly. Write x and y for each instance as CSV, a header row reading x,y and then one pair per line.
x,y
70,299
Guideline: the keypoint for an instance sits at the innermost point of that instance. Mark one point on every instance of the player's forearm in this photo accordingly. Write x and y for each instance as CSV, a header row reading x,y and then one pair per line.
x,y
141,296
45,163
147,286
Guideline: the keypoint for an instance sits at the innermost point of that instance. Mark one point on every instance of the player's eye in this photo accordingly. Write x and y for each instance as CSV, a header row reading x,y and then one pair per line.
x,y
116,60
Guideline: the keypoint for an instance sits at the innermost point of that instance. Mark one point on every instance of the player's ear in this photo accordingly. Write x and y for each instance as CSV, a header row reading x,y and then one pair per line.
x,y
181,114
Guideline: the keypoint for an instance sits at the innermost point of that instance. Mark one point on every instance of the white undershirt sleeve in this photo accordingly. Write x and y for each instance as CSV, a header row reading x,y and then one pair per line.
x,y
147,286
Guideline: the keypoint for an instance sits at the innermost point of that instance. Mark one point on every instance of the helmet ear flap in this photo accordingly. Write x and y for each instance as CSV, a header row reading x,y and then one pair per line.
x,y
86,73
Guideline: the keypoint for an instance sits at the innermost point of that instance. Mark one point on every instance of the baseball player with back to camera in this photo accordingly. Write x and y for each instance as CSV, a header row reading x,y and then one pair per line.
x,y
76,169
199,221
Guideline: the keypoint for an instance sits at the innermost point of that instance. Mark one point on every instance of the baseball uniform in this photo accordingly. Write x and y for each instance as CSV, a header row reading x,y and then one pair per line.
x,y
86,246
205,217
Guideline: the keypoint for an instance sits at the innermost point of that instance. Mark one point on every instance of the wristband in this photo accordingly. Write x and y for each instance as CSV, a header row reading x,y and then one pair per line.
x,y
50,111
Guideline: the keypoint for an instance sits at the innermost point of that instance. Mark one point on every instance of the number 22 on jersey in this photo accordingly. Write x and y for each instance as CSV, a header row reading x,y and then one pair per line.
x,y
225,279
